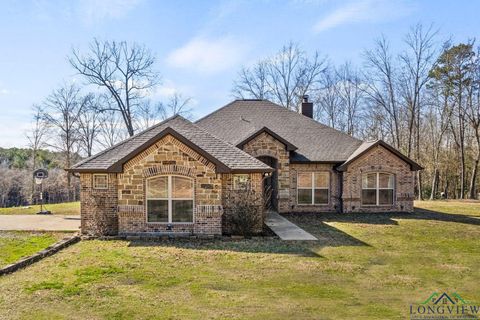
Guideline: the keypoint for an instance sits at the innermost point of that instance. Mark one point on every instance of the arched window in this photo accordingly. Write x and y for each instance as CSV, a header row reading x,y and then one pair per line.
x,y
169,199
378,188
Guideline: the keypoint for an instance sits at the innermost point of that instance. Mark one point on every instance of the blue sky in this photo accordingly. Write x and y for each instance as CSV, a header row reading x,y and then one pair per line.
x,y
199,45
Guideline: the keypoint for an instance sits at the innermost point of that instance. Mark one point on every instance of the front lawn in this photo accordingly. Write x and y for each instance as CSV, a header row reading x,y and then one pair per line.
x,y
15,245
365,266
66,208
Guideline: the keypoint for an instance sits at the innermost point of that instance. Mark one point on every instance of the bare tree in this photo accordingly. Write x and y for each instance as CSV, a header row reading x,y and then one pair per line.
x,y
36,140
349,89
124,70
112,130
89,122
329,102
473,116
416,63
253,82
62,111
283,78
381,86
176,104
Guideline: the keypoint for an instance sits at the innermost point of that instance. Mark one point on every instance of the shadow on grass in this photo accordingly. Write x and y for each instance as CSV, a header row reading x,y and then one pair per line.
x,y
313,219
256,245
328,236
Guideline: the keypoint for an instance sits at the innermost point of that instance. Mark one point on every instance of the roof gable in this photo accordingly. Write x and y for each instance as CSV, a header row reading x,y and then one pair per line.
x,y
289,146
226,157
367,146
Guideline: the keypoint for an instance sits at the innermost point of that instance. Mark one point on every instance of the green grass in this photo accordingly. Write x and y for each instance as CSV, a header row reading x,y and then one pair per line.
x,y
15,245
364,266
67,208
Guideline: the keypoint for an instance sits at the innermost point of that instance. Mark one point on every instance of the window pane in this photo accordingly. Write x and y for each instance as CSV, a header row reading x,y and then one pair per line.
x,y
305,196
157,210
305,180
182,211
321,179
385,180
157,187
385,196
369,180
321,196
369,196
100,181
241,181
182,188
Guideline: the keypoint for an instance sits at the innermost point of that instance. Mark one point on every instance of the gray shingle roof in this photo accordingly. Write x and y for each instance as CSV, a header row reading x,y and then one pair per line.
x,y
227,157
240,119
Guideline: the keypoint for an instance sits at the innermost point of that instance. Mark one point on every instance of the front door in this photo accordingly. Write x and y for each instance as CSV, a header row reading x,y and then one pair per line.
x,y
270,184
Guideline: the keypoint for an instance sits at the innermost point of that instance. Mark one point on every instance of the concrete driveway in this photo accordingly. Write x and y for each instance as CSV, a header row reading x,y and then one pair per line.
x,y
39,223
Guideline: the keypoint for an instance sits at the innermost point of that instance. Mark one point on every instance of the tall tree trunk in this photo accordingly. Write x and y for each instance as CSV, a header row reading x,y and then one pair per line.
x,y
434,184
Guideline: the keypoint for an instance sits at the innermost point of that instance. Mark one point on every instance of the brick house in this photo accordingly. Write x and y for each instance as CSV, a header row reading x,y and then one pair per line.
x,y
177,176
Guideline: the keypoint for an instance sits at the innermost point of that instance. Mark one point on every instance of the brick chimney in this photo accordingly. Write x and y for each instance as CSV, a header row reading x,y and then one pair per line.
x,y
307,107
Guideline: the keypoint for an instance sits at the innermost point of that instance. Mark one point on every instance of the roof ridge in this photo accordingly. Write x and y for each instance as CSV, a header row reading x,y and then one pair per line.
x,y
126,140
214,112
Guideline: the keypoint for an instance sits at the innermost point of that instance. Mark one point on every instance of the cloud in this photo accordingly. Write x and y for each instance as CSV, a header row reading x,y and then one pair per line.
x,y
4,91
369,11
93,11
208,55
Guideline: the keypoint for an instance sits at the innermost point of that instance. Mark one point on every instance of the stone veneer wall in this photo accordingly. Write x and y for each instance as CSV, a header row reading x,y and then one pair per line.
x,y
229,194
334,204
375,160
169,156
266,145
98,206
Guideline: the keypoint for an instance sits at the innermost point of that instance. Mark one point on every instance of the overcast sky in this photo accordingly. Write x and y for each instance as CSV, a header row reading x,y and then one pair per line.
x,y
199,45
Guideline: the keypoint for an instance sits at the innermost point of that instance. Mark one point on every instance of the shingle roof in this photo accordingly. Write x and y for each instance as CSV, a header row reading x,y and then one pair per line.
x,y
367,145
227,157
316,142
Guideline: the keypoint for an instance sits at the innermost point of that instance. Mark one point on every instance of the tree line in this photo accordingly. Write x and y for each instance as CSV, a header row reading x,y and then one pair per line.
x,y
423,99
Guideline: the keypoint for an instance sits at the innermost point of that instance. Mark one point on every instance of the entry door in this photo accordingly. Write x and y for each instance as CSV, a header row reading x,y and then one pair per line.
x,y
270,184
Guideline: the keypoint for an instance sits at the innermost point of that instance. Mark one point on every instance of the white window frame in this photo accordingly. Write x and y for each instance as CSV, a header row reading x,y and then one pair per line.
x,y
313,188
237,187
170,199
377,190
93,181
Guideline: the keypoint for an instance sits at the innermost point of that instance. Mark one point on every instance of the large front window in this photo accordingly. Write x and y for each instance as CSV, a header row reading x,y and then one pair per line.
x,y
312,187
169,199
377,188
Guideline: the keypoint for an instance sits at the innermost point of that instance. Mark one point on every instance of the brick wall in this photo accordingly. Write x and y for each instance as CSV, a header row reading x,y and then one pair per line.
x,y
98,206
266,145
169,156
334,191
378,159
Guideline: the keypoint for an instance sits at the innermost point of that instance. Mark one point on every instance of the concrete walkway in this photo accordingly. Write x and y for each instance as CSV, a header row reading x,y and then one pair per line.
x,y
39,222
285,229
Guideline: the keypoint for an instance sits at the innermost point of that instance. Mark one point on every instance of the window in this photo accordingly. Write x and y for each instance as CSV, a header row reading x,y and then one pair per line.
x,y
377,189
241,181
100,181
169,199
313,187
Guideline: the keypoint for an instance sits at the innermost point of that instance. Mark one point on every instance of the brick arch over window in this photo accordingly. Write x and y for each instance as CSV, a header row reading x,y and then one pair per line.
x,y
265,153
168,169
